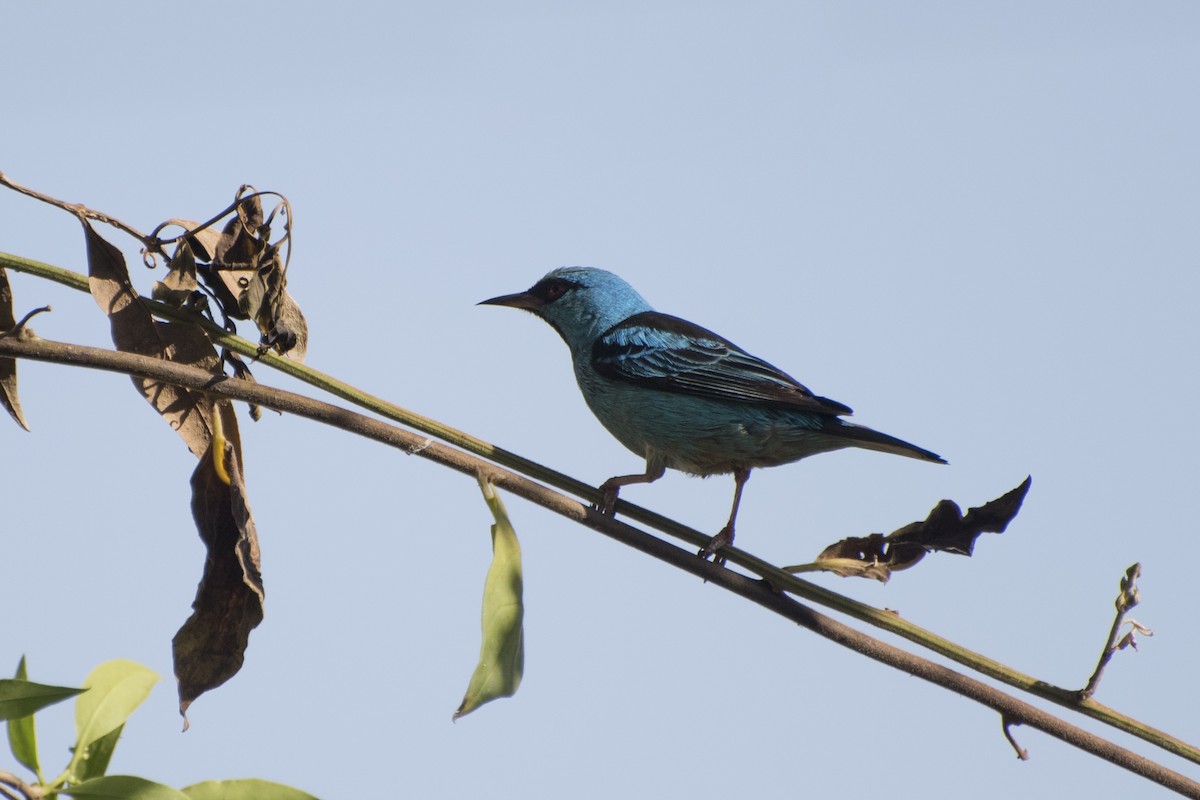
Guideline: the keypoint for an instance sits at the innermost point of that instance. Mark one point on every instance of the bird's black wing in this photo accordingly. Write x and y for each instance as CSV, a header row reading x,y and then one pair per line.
x,y
671,354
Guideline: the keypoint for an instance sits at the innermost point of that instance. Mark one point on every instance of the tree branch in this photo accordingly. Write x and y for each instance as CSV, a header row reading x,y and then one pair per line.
x,y
778,578
1012,710
11,785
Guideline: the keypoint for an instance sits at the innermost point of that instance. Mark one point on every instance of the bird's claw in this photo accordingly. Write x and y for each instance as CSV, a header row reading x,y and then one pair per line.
x,y
715,545
608,499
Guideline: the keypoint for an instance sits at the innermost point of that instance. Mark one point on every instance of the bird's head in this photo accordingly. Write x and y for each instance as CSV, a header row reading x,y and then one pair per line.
x,y
579,302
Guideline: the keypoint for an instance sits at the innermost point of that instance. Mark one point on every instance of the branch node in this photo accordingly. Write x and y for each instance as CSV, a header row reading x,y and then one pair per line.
x,y
412,451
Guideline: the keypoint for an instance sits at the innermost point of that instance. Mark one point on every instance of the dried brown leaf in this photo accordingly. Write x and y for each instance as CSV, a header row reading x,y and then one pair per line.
x,y
203,243
210,647
180,284
8,366
248,277
285,329
242,370
7,320
135,331
946,530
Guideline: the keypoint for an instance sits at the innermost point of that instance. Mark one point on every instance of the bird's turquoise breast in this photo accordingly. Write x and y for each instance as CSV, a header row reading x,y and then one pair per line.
x,y
698,435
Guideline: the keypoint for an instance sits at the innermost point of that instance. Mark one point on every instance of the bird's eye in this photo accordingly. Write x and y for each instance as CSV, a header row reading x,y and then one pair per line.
x,y
553,289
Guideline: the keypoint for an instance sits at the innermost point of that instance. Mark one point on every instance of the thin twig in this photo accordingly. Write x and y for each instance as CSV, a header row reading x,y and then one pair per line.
x,y
1127,599
19,328
1006,725
78,209
758,591
229,209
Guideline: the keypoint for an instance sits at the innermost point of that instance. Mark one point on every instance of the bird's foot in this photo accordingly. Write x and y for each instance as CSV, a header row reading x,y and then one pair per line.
x,y
608,498
716,544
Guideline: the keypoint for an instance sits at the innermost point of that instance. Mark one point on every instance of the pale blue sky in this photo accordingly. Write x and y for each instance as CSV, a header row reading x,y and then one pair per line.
x,y
973,223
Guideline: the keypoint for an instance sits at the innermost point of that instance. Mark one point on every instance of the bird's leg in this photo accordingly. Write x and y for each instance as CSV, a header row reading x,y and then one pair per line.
x,y
611,487
725,537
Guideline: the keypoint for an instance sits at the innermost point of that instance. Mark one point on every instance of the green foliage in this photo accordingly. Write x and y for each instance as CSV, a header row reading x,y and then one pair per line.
x,y
109,695
22,735
20,698
248,789
115,689
124,787
502,654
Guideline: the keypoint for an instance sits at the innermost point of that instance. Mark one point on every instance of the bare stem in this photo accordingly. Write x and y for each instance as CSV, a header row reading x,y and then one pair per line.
x,y
1127,599
229,209
1013,710
78,209
15,788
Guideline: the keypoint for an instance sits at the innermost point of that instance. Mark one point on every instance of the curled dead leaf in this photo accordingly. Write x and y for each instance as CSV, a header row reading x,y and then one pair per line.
x,y
180,285
946,530
248,275
210,647
134,330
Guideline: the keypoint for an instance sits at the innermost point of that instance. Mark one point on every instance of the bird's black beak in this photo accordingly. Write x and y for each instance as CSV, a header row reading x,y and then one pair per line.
x,y
525,300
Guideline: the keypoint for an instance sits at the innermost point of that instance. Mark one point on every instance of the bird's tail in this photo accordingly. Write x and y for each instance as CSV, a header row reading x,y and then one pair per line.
x,y
869,439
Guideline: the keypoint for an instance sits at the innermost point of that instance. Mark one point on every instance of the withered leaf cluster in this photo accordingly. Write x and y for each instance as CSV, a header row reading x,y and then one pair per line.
x,y
244,271
241,268
945,530
210,647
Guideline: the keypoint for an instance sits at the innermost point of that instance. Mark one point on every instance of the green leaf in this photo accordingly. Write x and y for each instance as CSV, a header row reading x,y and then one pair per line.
x,y
248,789
20,698
93,762
22,737
502,654
124,787
116,688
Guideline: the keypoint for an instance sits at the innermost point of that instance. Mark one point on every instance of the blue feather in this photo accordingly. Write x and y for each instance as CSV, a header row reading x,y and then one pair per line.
x,y
670,354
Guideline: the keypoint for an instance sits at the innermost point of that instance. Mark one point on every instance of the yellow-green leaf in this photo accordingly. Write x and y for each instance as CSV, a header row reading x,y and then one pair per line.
x,y
115,689
22,735
502,654
95,759
123,787
246,789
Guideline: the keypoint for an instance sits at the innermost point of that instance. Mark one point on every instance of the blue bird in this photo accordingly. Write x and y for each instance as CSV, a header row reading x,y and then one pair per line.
x,y
683,397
